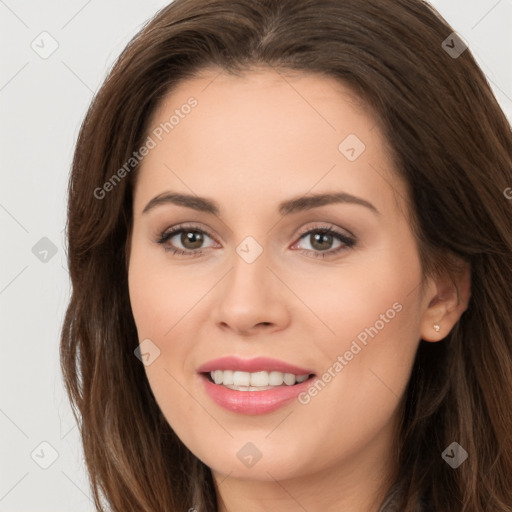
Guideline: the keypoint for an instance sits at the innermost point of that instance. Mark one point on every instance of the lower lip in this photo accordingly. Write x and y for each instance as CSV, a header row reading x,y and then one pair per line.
x,y
253,402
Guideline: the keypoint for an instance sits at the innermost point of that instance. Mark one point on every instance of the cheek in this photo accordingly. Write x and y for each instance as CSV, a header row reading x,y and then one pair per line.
x,y
165,300
373,312
375,296
158,295
159,303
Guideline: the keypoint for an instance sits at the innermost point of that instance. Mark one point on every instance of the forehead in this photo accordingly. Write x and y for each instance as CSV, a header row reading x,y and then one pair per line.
x,y
264,131
304,93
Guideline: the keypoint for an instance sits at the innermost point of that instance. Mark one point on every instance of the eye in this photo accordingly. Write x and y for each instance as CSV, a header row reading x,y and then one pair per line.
x,y
191,239
321,239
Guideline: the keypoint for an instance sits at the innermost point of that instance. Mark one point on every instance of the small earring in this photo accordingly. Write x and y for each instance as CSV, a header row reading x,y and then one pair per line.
x,y
437,328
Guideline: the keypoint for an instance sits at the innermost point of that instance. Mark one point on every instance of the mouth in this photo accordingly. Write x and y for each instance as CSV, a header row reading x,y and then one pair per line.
x,y
254,400
253,386
255,381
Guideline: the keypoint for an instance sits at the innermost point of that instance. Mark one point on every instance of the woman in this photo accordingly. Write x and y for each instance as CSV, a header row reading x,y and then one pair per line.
x,y
217,363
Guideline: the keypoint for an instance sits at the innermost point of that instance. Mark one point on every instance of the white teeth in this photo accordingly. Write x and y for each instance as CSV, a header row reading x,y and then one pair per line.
x,y
289,379
275,378
227,377
257,380
241,379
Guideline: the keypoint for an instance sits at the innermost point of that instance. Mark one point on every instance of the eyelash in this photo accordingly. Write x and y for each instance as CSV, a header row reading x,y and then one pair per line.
x,y
347,241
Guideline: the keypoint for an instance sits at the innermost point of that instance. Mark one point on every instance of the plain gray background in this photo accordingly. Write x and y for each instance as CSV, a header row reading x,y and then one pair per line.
x,y
43,100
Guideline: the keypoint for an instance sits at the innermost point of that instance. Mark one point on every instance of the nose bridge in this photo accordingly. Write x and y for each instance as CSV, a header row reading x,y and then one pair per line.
x,y
250,274
249,295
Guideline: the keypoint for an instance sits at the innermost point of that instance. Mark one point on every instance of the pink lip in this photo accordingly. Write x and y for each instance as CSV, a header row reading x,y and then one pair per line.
x,y
252,402
257,364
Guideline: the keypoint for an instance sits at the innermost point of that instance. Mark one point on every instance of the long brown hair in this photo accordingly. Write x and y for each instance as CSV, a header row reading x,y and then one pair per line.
x,y
451,143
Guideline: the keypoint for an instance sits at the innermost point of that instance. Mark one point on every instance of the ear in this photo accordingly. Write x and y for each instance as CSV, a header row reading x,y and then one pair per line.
x,y
447,297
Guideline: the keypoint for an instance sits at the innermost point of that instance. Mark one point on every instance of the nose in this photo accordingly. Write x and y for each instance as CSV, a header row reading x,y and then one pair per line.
x,y
251,298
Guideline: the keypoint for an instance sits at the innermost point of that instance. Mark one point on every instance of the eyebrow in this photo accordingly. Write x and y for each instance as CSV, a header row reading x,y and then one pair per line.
x,y
297,204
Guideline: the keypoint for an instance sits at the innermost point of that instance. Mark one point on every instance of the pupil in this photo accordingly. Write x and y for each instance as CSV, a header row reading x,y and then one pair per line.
x,y
325,236
193,237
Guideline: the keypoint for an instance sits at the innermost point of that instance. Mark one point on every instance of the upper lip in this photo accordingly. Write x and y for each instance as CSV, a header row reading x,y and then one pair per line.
x,y
257,364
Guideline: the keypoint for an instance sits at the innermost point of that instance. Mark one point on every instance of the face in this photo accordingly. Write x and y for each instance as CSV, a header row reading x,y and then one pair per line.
x,y
324,289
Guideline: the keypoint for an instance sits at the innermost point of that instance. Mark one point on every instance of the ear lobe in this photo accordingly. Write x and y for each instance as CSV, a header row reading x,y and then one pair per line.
x,y
449,300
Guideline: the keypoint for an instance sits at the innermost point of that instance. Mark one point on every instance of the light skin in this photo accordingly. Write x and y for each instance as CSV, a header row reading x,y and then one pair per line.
x,y
251,143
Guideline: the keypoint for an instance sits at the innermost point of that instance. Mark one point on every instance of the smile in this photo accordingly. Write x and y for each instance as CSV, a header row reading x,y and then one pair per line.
x,y
255,381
